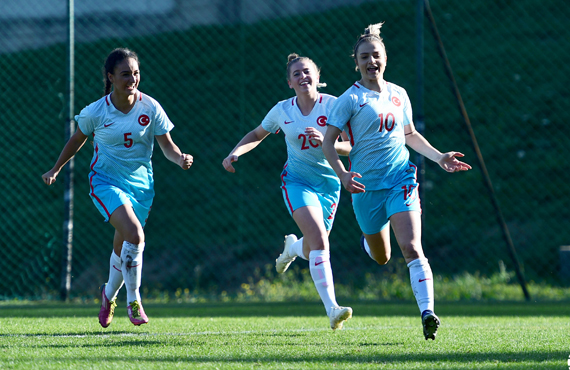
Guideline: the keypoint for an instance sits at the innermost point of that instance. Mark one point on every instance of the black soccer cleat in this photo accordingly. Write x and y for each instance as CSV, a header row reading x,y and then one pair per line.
x,y
430,322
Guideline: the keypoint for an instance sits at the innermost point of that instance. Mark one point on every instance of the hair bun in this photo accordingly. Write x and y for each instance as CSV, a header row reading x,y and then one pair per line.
x,y
292,56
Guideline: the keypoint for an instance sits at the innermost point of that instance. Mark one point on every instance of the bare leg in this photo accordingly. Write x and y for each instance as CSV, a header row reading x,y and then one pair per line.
x,y
380,248
408,230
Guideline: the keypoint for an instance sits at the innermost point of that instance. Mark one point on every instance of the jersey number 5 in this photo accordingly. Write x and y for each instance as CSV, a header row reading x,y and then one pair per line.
x,y
128,140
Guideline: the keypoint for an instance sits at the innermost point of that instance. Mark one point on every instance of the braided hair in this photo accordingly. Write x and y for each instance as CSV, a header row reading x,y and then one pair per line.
x,y
115,57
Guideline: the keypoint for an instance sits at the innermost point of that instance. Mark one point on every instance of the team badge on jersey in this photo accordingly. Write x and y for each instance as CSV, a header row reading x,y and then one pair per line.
x,y
144,120
396,101
322,121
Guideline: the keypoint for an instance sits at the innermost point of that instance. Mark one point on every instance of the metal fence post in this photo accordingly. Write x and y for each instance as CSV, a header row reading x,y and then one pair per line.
x,y
68,192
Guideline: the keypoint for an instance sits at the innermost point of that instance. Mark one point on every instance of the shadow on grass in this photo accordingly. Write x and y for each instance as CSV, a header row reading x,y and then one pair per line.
x,y
361,308
528,360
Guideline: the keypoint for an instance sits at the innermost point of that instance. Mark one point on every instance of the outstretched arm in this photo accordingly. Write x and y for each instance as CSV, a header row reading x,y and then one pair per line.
x,y
173,153
71,148
346,177
246,144
447,161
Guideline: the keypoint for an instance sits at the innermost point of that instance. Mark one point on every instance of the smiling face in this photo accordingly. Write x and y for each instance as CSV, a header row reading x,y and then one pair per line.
x,y
303,76
370,58
125,77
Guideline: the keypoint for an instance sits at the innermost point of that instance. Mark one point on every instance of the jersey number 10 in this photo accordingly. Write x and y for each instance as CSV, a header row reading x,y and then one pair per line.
x,y
386,123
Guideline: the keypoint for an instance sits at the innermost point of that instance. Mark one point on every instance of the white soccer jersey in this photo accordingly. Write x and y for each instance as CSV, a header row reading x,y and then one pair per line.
x,y
306,163
124,142
375,124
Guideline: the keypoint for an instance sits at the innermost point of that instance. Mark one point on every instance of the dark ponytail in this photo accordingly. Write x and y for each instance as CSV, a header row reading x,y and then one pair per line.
x,y
114,58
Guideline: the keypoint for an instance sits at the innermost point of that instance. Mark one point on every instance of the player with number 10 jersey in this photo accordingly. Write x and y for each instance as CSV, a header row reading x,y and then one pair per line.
x,y
375,124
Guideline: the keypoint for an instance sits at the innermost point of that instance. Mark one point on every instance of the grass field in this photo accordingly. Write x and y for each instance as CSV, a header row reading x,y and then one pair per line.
x,y
286,336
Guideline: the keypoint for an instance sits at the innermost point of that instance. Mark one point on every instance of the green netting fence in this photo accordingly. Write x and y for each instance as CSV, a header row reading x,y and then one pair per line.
x,y
217,67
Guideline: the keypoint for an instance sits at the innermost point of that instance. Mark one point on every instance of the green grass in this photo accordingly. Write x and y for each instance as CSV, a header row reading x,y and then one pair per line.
x,y
381,335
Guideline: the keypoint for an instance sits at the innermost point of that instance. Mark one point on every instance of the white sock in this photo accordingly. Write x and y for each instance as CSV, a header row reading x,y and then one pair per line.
x,y
321,272
366,247
296,249
131,266
421,278
115,277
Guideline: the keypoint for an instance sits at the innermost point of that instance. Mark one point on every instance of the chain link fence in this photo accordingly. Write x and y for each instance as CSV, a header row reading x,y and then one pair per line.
x,y
217,67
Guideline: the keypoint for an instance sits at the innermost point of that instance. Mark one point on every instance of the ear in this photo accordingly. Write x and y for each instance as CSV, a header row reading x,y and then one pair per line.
x,y
289,83
110,77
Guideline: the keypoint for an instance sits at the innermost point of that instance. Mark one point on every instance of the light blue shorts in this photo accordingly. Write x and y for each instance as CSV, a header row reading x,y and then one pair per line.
x,y
374,208
297,196
107,198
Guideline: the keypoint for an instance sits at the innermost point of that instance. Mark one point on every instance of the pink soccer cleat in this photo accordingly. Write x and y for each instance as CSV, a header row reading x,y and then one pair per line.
x,y
136,313
107,308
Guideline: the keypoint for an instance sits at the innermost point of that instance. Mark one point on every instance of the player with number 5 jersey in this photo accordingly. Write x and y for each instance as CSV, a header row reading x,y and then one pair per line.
x,y
124,124
310,187
378,118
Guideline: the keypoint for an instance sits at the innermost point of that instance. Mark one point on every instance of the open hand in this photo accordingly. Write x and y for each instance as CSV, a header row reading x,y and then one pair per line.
x,y
350,184
451,164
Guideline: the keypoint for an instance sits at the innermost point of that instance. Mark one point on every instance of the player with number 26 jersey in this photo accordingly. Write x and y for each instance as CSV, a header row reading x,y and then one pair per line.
x,y
306,163
309,185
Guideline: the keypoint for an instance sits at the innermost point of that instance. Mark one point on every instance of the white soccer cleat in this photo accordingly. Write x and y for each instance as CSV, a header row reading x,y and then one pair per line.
x,y
338,316
284,260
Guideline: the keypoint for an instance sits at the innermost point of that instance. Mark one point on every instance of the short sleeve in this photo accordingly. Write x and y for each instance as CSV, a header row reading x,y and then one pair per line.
x,y
271,121
341,112
162,124
408,117
85,121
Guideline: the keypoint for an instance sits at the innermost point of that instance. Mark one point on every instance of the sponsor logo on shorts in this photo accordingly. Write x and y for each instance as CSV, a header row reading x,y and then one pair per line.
x,y
288,122
108,124
422,280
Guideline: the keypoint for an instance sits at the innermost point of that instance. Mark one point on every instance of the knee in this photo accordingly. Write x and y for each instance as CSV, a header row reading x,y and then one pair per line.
x,y
135,236
381,259
318,244
412,251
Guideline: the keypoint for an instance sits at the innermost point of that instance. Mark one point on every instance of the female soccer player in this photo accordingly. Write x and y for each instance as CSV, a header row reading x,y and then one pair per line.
x,y
378,117
310,188
124,124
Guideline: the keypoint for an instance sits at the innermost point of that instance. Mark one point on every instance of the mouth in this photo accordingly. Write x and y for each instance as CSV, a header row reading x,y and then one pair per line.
x,y
304,83
372,69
